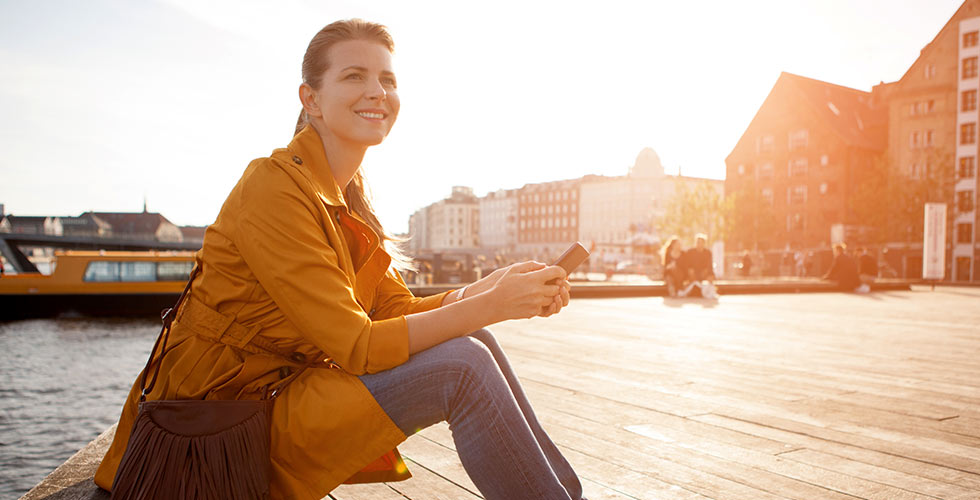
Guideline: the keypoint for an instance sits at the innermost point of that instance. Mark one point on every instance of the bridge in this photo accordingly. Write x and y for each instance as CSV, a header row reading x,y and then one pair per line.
x,y
11,243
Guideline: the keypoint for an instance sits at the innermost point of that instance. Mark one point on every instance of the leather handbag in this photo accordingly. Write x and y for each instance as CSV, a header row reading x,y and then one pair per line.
x,y
196,449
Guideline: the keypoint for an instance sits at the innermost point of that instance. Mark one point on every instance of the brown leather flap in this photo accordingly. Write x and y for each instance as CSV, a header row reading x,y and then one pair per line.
x,y
203,417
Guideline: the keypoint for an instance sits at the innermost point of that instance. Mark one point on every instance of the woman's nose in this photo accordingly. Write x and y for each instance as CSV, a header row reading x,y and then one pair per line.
x,y
377,92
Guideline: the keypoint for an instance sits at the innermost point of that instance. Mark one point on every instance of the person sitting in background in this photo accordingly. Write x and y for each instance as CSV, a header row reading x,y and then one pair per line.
x,y
746,264
867,267
670,257
699,267
844,271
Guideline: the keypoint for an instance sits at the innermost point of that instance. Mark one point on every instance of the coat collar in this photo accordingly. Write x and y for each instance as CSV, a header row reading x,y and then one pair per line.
x,y
308,148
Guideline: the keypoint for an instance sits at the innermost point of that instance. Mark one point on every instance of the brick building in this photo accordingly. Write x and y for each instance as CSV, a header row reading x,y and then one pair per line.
x,y
548,218
933,116
794,168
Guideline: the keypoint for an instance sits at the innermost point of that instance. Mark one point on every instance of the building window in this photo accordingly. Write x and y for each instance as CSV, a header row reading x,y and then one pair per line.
x,y
765,171
968,133
970,67
964,232
970,39
741,169
966,167
823,188
824,160
964,201
927,139
796,195
767,196
765,144
797,166
918,170
915,139
798,139
795,222
922,107
968,100
930,71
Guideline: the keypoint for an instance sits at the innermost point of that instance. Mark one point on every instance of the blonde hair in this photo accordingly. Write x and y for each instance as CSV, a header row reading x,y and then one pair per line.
x,y
665,249
315,64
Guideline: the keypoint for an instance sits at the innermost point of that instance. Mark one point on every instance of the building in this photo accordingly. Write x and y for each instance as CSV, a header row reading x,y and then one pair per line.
x,y
418,231
193,233
86,225
449,224
19,224
794,169
547,220
498,220
140,226
620,215
926,151
933,116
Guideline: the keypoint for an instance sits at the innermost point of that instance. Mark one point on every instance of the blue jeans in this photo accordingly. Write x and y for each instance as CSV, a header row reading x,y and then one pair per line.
x,y
468,382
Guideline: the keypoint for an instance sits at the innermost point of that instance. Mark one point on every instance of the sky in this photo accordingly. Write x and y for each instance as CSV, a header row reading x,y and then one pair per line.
x,y
107,103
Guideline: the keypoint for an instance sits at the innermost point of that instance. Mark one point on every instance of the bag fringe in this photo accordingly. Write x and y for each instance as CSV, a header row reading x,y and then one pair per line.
x,y
159,464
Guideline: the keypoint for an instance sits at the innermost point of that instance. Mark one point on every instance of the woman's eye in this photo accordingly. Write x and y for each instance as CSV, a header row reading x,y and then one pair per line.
x,y
353,76
389,81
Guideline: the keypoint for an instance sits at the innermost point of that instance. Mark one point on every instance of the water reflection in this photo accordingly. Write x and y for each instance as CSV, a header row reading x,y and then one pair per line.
x,y
62,382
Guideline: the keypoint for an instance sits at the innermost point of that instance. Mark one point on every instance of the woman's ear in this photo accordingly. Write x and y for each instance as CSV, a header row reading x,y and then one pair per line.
x,y
308,97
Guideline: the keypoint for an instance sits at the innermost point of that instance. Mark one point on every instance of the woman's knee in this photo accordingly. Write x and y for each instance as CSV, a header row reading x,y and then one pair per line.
x,y
485,336
472,355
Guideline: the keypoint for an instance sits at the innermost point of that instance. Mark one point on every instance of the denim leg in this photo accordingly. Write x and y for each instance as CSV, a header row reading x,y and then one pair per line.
x,y
558,463
460,381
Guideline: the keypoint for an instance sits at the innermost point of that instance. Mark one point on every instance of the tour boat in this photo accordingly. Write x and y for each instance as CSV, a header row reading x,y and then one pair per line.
x,y
97,284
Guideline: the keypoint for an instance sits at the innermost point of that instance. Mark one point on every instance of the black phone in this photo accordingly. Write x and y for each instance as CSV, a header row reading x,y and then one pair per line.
x,y
571,259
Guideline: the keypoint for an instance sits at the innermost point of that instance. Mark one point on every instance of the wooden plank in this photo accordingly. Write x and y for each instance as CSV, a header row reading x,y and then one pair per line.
x,y
892,461
373,491
599,477
672,461
615,413
882,475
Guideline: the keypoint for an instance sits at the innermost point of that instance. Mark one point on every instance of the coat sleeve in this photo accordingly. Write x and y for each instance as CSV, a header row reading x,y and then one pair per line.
x,y
282,238
395,299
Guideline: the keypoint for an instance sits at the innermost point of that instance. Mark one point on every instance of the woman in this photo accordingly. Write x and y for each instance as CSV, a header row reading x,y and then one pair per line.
x,y
670,255
296,263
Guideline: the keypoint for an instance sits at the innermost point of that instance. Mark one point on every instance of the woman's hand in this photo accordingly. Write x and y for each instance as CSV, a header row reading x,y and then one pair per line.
x,y
559,301
521,291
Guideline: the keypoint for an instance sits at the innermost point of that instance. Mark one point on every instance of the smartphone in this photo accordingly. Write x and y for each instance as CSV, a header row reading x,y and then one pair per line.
x,y
572,258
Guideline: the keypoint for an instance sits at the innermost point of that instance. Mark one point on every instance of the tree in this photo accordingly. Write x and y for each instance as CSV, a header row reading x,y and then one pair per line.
x,y
751,222
889,200
695,209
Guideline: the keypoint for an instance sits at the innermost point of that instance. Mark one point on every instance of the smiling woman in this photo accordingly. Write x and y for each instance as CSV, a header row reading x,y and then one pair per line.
x,y
295,268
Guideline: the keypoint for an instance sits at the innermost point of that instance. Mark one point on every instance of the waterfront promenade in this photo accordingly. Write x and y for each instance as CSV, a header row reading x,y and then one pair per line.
x,y
755,397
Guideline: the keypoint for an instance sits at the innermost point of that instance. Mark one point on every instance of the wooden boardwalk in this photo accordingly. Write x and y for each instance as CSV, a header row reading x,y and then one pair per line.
x,y
755,397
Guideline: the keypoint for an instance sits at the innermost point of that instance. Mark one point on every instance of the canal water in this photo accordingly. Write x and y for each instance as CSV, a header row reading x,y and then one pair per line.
x,y
62,382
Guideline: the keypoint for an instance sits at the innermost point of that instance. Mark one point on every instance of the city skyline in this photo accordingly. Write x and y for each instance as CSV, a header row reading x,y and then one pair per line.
x,y
169,101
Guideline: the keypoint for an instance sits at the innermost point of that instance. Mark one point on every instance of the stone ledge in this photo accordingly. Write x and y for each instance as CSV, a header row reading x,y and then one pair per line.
x,y
72,480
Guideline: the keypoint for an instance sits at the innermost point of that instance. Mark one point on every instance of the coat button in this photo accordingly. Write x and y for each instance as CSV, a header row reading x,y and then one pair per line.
x,y
372,312
337,216
297,160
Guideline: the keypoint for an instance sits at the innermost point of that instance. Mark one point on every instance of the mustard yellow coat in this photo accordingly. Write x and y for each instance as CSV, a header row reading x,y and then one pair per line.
x,y
287,261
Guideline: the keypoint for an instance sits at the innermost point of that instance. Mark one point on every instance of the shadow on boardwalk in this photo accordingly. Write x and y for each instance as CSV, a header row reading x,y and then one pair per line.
x,y
793,396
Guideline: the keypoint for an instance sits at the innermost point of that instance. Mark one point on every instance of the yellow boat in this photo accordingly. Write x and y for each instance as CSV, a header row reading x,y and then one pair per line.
x,y
97,284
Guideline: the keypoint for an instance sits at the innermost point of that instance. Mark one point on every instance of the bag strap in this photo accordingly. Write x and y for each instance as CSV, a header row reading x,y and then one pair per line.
x,y
167,315
271,391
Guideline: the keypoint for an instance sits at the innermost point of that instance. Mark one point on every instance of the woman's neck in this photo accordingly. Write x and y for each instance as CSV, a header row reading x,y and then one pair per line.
x,y
343,158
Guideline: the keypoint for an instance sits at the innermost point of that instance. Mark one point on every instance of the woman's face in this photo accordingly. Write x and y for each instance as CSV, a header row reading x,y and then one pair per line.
x,y
357,101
